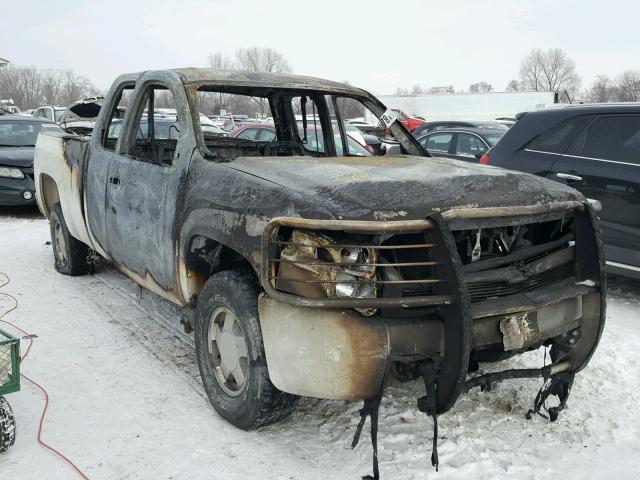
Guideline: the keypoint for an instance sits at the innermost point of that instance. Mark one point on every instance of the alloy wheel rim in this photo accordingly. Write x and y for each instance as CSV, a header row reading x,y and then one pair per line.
x,y
60,244
228,353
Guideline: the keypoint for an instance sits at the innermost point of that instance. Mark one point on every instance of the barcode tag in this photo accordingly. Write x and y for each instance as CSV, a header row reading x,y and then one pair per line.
x,y
388,117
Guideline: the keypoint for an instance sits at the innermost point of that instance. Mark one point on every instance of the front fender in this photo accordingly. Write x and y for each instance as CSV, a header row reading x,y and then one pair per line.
x,y
237,231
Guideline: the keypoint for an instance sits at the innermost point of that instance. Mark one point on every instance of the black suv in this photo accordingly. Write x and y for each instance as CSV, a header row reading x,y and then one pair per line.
x,y
595,149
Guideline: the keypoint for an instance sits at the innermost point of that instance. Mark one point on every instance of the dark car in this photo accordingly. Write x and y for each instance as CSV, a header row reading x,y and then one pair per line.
x,y
18,136
166,128
374,144
263,132
468,144
595,149
428,127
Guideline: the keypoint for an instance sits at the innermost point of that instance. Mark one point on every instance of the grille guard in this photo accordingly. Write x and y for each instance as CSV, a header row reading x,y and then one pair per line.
x,y
356,226
454,306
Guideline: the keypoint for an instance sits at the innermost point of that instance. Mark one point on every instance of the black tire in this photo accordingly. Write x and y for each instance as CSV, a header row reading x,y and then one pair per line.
x,y
70,256
257,402
7,426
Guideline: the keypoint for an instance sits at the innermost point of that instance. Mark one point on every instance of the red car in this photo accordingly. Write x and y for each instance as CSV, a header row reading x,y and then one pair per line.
x,y
410,123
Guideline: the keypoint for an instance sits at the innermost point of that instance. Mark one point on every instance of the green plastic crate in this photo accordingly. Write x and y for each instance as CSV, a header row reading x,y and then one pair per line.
x,y
9,363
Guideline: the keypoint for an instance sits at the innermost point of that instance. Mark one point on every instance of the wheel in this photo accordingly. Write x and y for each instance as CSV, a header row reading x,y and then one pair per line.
x,y
70,255
231,355
7,425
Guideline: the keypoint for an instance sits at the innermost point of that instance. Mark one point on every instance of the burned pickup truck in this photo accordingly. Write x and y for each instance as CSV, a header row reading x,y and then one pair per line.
x,y
306,266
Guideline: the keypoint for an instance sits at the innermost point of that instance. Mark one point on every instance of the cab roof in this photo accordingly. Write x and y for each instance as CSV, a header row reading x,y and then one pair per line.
x,y
240,78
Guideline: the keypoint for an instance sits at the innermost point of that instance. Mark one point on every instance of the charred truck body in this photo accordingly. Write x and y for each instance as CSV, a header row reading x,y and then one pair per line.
x,y
309,273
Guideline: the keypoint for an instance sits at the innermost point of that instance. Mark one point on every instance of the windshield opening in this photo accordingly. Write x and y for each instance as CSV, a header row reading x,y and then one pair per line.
x,y
59,113
276,121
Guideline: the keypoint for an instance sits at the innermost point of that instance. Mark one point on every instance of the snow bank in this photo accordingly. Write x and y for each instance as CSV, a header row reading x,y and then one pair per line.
x,y
127,400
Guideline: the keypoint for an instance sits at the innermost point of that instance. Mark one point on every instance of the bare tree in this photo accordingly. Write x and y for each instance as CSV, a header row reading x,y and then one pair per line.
x,y
513,86
219,101
480,87
628,86
265,59
549,71
22,85
602,90
417,90
253,59
30,87
75,87
400,91
51,86
218,61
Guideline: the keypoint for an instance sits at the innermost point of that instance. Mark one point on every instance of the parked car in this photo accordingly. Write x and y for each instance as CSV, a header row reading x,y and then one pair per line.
x,y
595,149
409,122
80,116
18,135
447,124
255,132
506,121
468,144
374,144
166,128
357,122
10,109
264,132
304,269
52,113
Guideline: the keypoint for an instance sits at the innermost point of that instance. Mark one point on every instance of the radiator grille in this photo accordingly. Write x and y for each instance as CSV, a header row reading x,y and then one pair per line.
x,y
487,290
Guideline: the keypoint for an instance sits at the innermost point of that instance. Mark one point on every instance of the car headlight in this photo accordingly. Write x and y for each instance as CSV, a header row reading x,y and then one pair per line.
x,y
354,280
311,266
10,172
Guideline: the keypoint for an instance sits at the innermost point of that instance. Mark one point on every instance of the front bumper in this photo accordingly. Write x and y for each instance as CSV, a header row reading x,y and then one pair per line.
x,y
333,352
13,191
339,354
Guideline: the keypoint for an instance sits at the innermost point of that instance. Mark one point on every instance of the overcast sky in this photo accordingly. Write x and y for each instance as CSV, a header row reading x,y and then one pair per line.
x,y
374,44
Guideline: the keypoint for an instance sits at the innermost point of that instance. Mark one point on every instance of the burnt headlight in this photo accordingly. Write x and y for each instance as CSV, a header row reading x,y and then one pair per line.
x,y
315,265
354,280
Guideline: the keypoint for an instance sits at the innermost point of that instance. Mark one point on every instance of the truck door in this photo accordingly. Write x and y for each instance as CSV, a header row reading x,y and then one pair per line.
x,y
604,164
142,188
104,143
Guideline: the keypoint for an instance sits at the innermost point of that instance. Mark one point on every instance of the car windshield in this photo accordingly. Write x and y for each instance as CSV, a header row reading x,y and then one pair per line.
x,y
312,109
492,138
496,126
59,113
22,133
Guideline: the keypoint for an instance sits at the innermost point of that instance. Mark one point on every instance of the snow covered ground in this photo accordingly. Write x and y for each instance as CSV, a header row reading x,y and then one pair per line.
x,y
126,399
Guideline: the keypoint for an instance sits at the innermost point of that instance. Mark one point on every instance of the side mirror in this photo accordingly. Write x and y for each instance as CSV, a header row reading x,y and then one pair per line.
x,y
479,155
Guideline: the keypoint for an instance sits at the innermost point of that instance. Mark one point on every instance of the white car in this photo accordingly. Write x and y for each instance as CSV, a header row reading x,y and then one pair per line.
x,y
358,122
50,112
